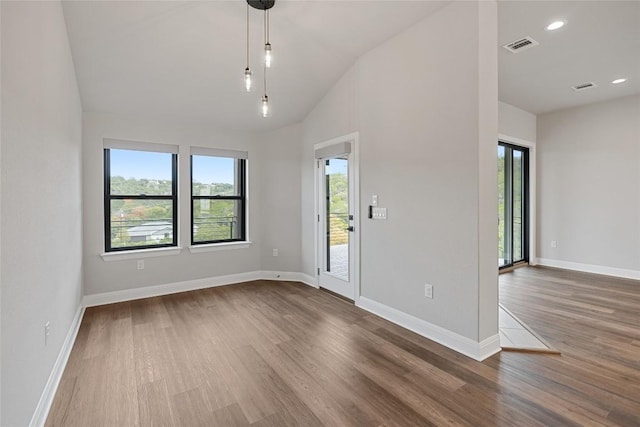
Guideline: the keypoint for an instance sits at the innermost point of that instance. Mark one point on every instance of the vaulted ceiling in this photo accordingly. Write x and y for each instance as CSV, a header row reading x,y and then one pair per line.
x,y
184,59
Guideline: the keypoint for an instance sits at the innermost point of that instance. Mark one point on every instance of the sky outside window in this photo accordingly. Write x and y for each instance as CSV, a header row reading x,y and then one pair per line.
x,y
140,164
210,170
157,166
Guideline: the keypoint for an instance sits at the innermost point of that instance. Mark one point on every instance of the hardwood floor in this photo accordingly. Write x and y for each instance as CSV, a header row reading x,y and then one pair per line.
x,y
284,354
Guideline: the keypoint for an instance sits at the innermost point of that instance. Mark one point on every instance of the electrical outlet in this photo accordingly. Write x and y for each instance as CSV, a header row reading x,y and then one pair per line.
x,y
275,252
428,290
47,331
140,264
554,244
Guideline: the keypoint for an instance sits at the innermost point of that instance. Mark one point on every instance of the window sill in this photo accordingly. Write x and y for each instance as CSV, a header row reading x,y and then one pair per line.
x,y
213,247
140,253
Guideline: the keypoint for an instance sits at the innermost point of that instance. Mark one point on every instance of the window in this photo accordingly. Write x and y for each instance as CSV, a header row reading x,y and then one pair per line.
x,y
140,195
218,196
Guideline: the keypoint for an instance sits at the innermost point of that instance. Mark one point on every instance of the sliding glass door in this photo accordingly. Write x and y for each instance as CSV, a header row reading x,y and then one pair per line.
x,y
513,204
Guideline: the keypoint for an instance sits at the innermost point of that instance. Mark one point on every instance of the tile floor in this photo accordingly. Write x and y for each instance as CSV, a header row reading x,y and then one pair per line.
x,y
514,335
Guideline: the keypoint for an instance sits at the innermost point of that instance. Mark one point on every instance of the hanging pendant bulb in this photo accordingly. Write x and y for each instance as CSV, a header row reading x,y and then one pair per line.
x,y
247,79
267,45
262,5
267,55
265,98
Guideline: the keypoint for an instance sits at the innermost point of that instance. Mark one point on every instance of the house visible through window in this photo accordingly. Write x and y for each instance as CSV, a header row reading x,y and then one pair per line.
x,y
140,196
218,196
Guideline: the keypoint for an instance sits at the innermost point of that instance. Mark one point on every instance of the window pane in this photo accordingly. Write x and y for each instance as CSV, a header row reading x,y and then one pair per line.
x,y
518,223
217,220
214,176
141,222
140,172
501,206
337,188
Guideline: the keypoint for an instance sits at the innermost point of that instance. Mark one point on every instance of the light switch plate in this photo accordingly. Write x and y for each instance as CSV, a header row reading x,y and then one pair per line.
x,y
379,213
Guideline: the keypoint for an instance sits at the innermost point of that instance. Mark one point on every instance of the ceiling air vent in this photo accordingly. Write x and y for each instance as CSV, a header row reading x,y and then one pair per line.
x,y
520,45
584,86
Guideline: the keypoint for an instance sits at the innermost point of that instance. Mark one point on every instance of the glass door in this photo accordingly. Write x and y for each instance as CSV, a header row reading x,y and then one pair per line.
x,y
513,204
336,225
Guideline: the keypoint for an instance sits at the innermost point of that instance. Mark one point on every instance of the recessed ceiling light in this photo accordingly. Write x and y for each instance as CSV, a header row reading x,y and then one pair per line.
x,y
555,25
616,81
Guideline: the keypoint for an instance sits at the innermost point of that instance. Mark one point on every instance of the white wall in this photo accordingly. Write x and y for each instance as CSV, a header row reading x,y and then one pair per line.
x,y
0,215
517,123
102,276
589,186
487,185
425,104
41,263
274,203
279,153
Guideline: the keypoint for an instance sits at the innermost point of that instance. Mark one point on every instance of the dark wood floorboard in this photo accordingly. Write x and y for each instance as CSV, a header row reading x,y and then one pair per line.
x,y
271,353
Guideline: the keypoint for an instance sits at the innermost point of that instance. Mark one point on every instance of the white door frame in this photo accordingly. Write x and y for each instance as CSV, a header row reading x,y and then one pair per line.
x,y
532,190
354,169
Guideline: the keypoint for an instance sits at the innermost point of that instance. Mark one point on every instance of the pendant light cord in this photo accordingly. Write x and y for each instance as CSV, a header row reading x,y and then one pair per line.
x,y
247,35
266,26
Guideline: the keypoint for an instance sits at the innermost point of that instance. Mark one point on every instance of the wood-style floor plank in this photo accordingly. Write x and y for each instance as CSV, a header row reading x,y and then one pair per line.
x,y
154,404
269,353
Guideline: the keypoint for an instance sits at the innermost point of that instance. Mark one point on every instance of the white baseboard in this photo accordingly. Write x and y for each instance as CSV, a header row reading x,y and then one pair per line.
x,y
590,268
488,347
169,288
46,399
289,276
309,280
192,285
476,350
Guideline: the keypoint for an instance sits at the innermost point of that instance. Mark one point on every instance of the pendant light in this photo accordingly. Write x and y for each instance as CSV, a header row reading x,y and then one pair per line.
x,y
264,5
267,45
247,79
265,98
